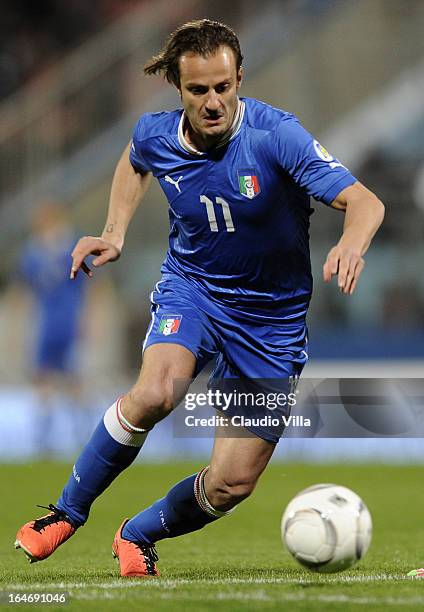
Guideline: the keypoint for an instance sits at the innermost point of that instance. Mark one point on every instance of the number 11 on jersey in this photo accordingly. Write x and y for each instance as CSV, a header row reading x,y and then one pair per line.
x,y
210,210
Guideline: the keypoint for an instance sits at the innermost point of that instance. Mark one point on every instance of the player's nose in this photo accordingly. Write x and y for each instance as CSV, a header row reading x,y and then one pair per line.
x,y
212,102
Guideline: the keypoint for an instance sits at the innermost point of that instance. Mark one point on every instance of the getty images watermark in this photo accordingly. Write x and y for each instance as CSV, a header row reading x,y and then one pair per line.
x,y
308,408
237,407
253,409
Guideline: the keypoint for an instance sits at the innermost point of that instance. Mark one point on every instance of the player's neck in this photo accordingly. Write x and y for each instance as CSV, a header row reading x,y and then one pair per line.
x,y
199,142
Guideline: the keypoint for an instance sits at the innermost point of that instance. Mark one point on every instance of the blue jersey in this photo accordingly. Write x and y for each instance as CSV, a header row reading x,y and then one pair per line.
x,y
239,213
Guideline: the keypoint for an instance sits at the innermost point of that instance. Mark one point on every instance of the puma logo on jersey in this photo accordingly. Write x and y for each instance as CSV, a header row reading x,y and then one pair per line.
x,y
168,179
76,475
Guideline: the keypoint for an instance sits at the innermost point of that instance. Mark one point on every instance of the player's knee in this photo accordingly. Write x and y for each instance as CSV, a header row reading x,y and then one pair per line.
x,y
148,405
154,398
227,493
239,491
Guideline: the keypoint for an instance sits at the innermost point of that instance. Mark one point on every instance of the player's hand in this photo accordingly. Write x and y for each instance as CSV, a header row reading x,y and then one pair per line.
x,y
347,264
90,245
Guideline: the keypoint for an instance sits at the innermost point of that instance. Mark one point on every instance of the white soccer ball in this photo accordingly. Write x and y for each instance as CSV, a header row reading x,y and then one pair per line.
x,y
327,528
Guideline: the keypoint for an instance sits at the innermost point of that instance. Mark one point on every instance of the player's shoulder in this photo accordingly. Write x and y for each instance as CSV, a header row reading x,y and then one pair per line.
x,y
263,116
161,123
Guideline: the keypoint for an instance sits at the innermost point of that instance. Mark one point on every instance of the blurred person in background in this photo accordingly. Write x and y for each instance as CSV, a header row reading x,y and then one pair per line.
x,y
57,313
238,176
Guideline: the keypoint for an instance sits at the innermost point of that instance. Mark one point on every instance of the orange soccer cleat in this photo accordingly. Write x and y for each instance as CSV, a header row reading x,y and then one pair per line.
x,y
40,538
135,558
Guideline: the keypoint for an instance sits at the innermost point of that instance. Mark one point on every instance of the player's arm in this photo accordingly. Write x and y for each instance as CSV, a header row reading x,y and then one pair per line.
x,y
128,189
364,213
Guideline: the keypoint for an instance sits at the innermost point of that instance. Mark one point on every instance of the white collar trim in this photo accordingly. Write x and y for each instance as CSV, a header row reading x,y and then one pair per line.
x,y
232,132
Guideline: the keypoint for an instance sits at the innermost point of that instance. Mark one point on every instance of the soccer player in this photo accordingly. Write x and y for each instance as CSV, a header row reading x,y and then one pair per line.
x,y
235,287
59,308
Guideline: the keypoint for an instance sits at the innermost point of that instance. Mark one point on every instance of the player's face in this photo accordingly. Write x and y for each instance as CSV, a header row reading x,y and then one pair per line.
x,y
208,87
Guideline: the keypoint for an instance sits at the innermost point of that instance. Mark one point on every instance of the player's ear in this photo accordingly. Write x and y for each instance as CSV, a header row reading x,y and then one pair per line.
x,y
239,76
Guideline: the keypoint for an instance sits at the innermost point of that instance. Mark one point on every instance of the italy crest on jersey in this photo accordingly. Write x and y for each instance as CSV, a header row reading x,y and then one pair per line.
x,y
169,324
248,183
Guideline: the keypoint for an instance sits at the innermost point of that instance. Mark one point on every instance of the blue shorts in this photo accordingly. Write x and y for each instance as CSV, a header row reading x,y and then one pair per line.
x,y
242,347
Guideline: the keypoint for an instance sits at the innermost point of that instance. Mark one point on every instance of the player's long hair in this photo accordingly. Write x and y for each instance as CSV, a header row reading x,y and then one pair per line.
x,y
202,37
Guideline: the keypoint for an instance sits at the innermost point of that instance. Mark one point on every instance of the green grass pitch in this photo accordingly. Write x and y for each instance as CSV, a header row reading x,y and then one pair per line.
x,y
237,563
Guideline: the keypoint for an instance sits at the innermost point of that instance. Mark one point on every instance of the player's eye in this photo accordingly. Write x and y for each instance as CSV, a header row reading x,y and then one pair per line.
x,y
198,91
221,88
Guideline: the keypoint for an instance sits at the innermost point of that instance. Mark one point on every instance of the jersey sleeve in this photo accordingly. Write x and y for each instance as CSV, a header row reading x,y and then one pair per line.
x,y
137,159
309,164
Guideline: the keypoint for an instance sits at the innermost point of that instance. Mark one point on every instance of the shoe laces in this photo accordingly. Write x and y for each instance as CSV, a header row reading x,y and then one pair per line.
x,y
148,551
56,516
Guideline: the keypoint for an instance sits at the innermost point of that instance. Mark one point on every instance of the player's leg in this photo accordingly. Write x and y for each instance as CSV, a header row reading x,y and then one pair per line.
x,y
177,345
194,502
201,498
113,447
152,398
121,433
238,459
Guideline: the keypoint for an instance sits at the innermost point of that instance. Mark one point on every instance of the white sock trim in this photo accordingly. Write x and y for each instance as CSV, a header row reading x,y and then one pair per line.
x,y
126,424
202,500
120,430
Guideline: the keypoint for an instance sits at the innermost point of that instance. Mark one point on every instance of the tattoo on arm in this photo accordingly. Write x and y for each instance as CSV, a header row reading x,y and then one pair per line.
x,y
109,228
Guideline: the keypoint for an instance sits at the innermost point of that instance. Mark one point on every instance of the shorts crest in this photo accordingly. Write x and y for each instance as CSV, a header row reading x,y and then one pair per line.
x,y
169,324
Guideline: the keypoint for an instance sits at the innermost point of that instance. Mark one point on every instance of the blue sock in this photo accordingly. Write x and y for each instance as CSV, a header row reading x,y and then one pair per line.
x,y
113,447
184,509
